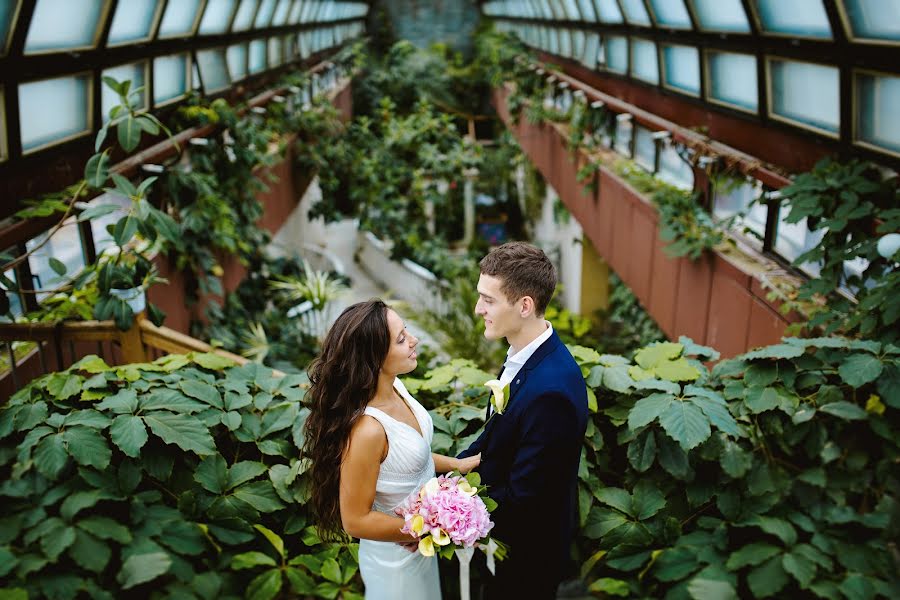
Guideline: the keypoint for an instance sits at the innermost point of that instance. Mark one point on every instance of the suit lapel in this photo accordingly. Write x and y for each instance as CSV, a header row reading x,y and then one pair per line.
x,y
519,382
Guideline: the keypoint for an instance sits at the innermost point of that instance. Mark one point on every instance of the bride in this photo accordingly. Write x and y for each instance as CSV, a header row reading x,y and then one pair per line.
x,y
369,442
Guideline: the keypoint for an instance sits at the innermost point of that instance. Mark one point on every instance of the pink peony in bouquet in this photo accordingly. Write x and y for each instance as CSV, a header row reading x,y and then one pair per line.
x,y
447,514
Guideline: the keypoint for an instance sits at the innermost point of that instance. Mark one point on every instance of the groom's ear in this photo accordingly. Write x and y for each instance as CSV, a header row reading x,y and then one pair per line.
x,y
528,307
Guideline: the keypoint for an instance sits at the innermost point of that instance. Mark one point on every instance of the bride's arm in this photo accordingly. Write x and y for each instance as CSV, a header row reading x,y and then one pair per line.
x,y
359,474
445,464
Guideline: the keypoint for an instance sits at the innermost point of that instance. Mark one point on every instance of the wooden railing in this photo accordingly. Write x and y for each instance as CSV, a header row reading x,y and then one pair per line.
x,y
52,341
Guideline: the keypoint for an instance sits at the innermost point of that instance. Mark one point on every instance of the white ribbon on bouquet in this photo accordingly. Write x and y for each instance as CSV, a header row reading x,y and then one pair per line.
x,y
464,555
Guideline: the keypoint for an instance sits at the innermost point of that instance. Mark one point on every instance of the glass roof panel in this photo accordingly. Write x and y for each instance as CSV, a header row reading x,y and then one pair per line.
x,y
804,18
53,110
64,25
874,19
7,11
587,10
721,15
733,79
216,16
281,13
264,16
275,57
136,74
236,55
571,9
591,50
132,22
179,18
636,12
294,15
170,77
609,11
877,118
671,13
244,16
213,70
682,68
644,60
805,93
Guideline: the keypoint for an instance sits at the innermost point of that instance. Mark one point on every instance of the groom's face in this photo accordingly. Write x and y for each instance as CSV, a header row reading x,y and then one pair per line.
x,y
501,317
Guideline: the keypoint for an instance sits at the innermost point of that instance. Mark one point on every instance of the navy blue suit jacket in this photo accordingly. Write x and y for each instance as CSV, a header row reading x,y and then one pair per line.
x,y
529,460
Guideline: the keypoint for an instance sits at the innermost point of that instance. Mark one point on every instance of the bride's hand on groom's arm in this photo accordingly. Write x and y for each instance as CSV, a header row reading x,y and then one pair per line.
x,y
445,464
468,464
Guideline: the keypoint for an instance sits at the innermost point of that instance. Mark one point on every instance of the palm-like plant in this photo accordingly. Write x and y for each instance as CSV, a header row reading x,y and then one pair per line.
x,y
316,287
256,343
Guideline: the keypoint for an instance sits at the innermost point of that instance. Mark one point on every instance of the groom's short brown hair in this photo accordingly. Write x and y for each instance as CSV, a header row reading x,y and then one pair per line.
x,y
523,270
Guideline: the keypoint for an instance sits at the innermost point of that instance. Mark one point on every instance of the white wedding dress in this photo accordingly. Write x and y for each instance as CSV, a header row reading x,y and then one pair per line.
x,y
389,571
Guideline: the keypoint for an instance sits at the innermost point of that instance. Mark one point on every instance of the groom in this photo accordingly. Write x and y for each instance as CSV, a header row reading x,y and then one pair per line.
x,y
530,450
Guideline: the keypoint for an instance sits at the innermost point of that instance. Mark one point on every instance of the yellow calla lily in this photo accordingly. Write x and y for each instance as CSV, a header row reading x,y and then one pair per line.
x,y
440,537
466,488
417,524
426,546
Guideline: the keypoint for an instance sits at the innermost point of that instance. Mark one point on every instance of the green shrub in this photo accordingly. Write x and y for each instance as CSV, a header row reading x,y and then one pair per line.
x,y
161,479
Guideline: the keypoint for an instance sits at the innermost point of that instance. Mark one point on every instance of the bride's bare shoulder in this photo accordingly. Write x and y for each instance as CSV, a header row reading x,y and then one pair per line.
x,y
368,435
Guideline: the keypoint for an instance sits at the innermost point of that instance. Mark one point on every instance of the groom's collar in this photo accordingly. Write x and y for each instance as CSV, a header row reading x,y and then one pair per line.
x,y
521,357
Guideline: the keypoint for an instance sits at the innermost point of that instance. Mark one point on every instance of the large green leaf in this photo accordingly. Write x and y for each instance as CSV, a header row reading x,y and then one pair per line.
x,y
601,521
185,431
800,567
844,410
685,423
96,170
718,415
248,560
647,500
760,399
243,471
265,586
212,361
784,351
141,568
674,564
615,497
88,447
646,410
50,456
89,552
203,392
260,495
129,433
610,587
860,369
331,570
273,538
642,451
122,402
767,580
735,460
655,354
129,133
212,474
64,385
752,555
711,589
105,529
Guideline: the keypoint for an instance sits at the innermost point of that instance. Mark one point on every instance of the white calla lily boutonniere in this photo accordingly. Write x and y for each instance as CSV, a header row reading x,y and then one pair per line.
x,y
499,395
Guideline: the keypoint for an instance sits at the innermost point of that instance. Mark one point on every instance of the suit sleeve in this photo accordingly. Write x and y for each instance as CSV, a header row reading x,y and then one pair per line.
x,y
475,447
548,433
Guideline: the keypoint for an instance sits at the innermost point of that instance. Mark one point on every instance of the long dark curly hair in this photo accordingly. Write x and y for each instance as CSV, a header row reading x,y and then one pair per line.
x,y
343,379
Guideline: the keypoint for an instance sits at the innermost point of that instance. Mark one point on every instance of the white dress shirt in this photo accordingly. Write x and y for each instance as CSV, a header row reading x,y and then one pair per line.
x,y
515,362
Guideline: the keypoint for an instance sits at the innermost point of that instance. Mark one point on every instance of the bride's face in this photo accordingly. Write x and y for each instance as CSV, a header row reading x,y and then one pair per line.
x,y
401,356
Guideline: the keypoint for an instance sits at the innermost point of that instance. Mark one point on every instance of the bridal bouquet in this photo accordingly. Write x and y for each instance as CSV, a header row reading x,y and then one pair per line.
x,y
448,513
451,515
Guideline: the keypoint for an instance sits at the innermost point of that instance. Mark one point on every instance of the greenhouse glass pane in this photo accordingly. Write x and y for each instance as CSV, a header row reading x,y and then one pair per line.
x,y
275,57
578,44
257,56
195,79
608,10
722,15
623,134
591,50
65,246
617,53
53,110
731,200
874,19
733,79
264,16
179,18
587,10
236,56
170,77
805,18
244,16
7,10
682,67
216,16
132,22
644,60
571,9
671,13
636,12
135,73
644,148
306,6
15,302
565,43
877,118
294,15
213,70
793,239
63,25
673,169
281,13
553,48
806,93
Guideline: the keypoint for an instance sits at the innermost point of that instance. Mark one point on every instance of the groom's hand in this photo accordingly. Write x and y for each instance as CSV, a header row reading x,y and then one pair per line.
x,y
469,464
